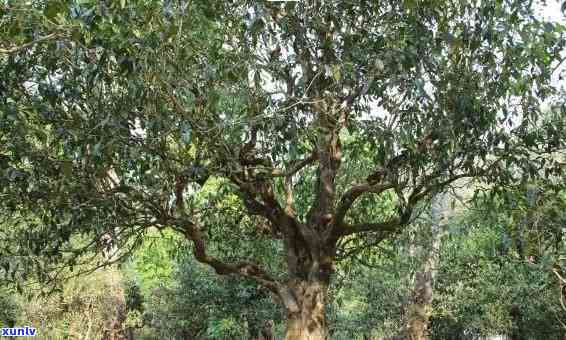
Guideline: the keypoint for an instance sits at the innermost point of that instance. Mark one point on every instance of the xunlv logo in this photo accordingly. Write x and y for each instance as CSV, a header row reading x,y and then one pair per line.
x,y
19,331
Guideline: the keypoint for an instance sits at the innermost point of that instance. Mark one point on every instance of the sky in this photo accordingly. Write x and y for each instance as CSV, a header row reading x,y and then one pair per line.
x,y
552,12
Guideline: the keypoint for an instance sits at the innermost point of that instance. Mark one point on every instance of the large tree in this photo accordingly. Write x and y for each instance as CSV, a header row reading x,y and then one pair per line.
x,y
300,115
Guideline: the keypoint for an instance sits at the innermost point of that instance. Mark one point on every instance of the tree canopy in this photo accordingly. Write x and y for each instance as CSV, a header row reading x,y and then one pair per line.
x,y
250,124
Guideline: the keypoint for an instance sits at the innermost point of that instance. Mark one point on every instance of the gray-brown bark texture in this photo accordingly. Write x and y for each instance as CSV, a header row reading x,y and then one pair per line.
x,y
419,309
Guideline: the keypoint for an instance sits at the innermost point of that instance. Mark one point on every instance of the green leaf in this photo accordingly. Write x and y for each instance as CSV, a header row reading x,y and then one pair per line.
x,y
257,26
54,8
336,73
67,168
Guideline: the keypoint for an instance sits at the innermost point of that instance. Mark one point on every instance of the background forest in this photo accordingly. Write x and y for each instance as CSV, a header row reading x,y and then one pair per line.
x,y
303,170
494,276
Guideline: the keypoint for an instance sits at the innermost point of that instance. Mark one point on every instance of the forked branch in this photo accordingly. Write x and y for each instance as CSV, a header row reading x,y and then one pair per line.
x,y
244,269
350,196
191,231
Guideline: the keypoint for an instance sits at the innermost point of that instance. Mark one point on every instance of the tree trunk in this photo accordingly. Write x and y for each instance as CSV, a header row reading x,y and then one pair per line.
x,y
420,308
307,321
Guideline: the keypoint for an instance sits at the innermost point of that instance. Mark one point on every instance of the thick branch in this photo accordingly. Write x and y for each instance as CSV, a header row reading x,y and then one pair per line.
x,y
16,49
244,269
288,182
269,172
329,151
358,93
562,283
270,207
301,164
385,226
289,199
191,231
417,194
350,196
405,209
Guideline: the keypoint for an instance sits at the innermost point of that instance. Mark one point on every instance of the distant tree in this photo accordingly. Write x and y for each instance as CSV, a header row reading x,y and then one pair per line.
x,y
487,284
263,121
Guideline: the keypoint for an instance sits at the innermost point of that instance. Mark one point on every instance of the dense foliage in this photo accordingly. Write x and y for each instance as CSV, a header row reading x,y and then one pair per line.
x,y
280,140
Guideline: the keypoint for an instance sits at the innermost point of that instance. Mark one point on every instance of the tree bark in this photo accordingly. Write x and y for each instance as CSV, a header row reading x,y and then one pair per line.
x,y
261,331
420,308
308,320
